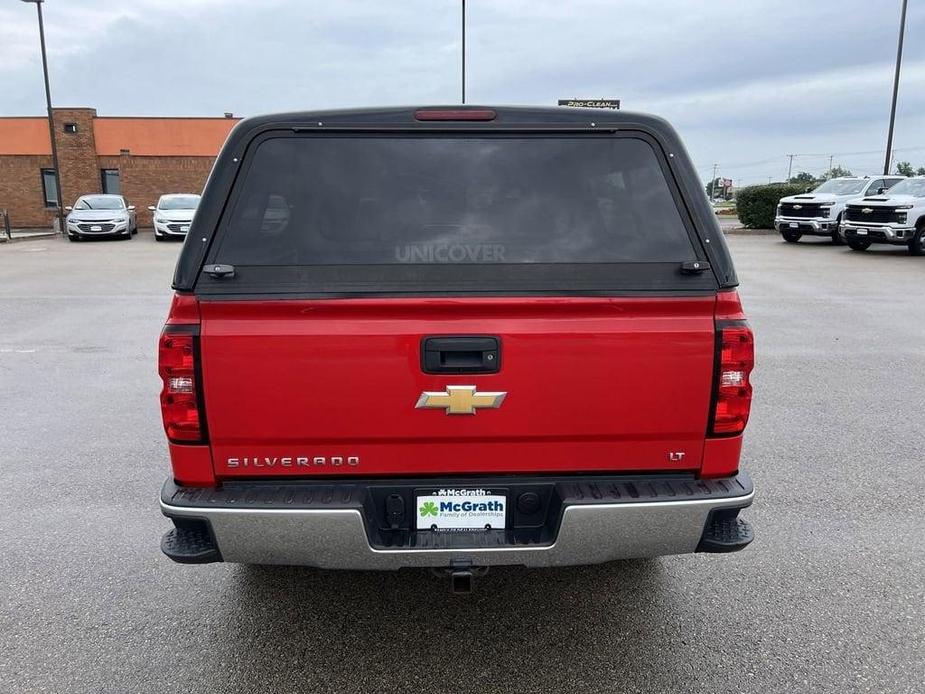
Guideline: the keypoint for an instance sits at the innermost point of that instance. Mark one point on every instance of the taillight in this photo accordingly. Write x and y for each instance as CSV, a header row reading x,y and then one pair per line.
x,y
732,391
180,406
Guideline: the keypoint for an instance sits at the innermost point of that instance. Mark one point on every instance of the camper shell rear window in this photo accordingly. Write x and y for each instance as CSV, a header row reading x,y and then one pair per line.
x,y
367,213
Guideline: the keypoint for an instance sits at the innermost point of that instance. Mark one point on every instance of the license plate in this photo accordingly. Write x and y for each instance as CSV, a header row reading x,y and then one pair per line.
x,y
460,509
794,225
861,232
96,227
184,227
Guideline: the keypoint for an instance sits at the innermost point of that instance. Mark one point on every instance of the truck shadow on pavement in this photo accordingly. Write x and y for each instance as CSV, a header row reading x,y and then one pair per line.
x,y
520,630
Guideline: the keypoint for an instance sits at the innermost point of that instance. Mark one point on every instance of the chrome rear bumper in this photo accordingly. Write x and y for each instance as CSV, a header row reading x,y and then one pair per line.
x,y
586,532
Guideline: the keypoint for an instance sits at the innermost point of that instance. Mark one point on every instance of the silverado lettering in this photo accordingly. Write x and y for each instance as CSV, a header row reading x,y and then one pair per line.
x,y
288,461
523,320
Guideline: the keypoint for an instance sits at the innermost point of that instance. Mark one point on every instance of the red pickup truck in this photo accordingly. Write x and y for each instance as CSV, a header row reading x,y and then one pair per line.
x,y
454,337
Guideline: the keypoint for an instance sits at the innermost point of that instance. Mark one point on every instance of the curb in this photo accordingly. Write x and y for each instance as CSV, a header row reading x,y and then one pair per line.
x,y
742,231
17,239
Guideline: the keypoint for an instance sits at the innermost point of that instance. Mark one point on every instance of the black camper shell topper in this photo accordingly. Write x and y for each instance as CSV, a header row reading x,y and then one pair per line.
x,y
711,270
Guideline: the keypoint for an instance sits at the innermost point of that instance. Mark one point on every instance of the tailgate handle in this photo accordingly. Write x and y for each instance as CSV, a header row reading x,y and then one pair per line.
x,y
464,354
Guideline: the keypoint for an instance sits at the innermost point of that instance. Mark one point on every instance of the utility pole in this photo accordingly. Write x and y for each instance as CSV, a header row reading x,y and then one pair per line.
x,y
464,51
713,184
790,167
899,59
831,160
59,212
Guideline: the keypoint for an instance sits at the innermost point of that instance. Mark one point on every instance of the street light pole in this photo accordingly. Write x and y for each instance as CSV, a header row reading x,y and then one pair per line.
x,y
899,58
464,51
59,212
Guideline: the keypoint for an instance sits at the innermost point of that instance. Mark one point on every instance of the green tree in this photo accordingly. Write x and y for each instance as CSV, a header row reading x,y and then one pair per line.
x,y
920,171
904,168
804,178
836,172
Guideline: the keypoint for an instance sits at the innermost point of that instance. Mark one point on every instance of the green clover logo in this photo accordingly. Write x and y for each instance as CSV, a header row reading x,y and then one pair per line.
x,y
429,508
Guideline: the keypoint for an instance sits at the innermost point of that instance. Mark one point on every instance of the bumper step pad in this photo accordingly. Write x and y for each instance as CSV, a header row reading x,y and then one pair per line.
x,y
190,545
725,534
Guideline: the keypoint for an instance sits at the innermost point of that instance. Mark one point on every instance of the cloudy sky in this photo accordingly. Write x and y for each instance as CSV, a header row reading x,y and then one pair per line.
x,y
745,82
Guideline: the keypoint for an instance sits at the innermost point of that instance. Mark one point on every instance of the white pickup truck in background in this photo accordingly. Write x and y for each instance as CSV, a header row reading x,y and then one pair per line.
x,y
820,212
897,218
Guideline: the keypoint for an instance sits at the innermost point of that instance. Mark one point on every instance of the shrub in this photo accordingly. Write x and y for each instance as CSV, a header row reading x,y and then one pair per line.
x,y
756,205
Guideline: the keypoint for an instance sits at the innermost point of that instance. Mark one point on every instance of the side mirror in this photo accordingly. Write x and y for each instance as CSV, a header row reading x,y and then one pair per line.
x,y
881,190
68,208
131,207
150,207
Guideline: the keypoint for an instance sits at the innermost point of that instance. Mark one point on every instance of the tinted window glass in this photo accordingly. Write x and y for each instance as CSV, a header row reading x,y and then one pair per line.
x,y
99,202
423,200
842,186
890,182
178,202
49,187
110,179
911,186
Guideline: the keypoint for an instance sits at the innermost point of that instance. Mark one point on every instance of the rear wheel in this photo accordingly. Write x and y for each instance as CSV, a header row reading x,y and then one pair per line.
x,y
858,245
917,242
791,236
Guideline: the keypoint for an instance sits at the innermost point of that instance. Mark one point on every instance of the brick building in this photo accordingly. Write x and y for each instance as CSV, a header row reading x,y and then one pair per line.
x,y
139,157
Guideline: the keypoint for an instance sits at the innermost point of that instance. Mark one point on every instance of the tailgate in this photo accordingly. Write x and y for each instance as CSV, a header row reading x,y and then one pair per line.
x,y
330,387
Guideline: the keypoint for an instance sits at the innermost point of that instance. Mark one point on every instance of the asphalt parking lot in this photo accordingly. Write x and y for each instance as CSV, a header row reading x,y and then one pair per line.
x,y
829,598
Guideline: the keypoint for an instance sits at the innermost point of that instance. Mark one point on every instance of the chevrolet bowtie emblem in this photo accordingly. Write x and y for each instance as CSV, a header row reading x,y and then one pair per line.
x,y
867,210
798,207
459,400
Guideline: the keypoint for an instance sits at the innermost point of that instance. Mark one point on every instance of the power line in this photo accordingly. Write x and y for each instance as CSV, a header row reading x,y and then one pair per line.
x,y
860,162
811,155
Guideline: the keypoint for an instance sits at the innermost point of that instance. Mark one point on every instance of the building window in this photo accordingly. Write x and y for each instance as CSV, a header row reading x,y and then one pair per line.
x,y
110,179
70,128
49,188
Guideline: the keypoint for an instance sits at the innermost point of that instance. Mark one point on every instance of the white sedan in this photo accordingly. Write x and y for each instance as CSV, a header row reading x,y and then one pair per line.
x,y
100,215
173,215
